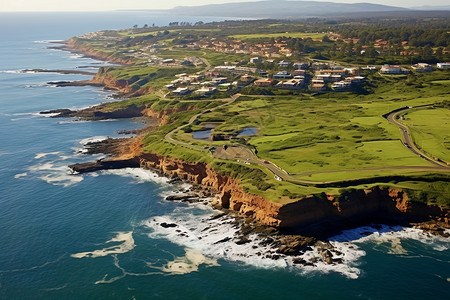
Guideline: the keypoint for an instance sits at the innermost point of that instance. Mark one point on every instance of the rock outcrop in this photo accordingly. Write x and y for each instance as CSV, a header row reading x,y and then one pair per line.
x,y
357,205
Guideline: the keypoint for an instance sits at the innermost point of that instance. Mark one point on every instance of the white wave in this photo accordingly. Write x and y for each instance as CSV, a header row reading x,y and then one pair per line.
x,y
219,238
138,174
55,288
55,172
78,56
63,180
126,245
17,176
385,233
390,239
37,85
93,139
41,155
11,71
24,114
48,41
73,121
51,115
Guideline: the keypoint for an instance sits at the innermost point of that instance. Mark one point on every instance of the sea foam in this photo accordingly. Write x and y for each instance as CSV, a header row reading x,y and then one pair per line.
x,y
126,244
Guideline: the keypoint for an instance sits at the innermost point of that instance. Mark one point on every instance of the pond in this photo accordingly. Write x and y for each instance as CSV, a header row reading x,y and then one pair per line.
x,y
248,131
202,135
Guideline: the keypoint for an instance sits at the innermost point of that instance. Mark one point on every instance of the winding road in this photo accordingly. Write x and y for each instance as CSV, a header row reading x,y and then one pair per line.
x,y
408,142
246,156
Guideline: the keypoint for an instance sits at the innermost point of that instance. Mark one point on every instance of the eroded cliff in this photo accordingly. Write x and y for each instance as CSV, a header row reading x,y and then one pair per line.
x,y
357,205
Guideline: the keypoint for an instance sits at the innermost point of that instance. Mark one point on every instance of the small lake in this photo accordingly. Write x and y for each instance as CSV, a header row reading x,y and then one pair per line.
x,y
202,135
248,131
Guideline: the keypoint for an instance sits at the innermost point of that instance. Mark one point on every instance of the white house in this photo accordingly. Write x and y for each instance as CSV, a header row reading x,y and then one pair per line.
x,y
444,65
282,75
181,91
390,69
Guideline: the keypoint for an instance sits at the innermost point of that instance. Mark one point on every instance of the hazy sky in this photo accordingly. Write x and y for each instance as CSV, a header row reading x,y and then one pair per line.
x,y
99,5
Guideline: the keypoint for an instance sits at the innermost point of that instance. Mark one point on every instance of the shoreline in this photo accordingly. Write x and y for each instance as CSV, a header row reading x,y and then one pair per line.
x,y
398,205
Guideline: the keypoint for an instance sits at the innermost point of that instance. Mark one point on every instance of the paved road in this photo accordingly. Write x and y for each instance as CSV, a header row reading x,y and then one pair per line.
x,y
408,142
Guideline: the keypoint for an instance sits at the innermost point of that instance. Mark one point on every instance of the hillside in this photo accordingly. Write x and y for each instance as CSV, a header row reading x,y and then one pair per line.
x,y
281,9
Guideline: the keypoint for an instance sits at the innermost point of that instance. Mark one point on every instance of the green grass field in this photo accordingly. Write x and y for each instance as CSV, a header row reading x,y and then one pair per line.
x,y
430,129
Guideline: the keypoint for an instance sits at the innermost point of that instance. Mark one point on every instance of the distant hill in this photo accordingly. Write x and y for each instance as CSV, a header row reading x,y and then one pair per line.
x,y
281,9
431,7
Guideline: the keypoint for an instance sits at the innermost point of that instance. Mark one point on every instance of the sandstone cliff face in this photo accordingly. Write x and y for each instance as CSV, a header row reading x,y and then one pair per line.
x,y
357,205
230,192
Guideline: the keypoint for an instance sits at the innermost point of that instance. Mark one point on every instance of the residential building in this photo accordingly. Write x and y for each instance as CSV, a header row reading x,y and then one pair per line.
x,y
181,91
390,69
301,65
282,75
264,82
422,67
443,65
206,91
293,84
284,64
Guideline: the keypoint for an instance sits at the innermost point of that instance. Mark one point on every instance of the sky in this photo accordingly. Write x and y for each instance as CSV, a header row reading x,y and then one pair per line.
x,y
102,5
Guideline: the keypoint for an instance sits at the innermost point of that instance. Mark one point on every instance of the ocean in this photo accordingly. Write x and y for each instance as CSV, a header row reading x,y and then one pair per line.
x,y
101,235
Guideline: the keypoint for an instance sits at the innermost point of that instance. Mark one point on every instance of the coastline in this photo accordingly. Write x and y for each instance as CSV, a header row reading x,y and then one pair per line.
x,y
311,213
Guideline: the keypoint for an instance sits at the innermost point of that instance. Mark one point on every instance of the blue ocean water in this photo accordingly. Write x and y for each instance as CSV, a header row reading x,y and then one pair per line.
x,y
99,236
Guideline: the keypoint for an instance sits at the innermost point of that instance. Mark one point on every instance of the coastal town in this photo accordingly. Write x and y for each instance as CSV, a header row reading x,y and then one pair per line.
x,y
265,67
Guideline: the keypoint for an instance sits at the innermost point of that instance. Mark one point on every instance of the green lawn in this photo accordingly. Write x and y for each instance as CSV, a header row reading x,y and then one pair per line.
x,y
430,129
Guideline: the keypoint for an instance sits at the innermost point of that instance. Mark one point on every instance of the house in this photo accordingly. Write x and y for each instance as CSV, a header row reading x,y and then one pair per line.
x,y
390,69
219,80
299,72
317,80
168,61
186,63
370,68
445,65
246,78
355,79
195,77
301,65
206,91
282,75
319,87
341,86
181,91
293,84
422,67
284,64
255,60
170,87
264,82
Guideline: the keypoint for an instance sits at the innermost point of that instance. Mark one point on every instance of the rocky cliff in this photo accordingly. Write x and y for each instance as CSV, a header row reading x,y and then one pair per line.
x,y
357,205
